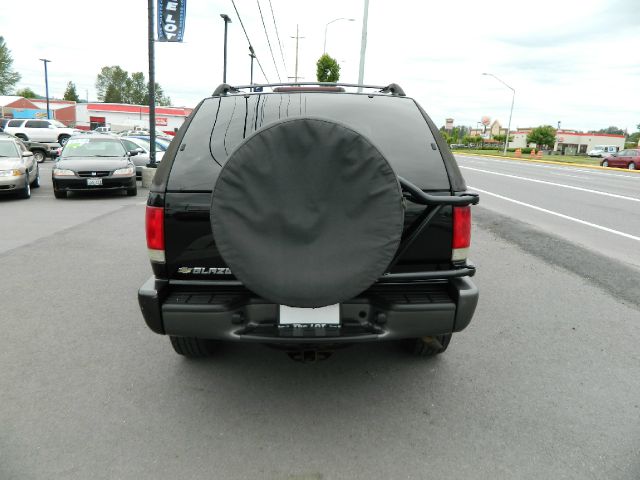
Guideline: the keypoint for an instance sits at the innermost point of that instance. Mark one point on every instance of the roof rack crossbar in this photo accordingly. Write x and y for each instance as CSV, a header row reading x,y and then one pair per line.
x,y
393,88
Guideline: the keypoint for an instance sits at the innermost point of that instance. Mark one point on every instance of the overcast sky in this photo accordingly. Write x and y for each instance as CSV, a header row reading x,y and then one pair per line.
x,y
576,62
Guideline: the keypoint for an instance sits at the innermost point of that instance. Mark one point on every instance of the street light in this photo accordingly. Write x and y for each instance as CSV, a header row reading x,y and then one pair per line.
x,y
513,97
227,21
46,85
324,50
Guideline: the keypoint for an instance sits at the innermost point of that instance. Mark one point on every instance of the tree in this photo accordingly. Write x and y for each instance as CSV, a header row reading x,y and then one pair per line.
x,y
634,137
114,85
611,131
137,89
8,78
70,93
543,136
26,93
114,77
445,136
161,98
328,69
112,95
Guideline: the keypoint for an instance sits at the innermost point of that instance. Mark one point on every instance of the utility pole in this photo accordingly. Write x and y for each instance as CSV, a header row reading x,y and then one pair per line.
x,y
297,37
46,85
363,44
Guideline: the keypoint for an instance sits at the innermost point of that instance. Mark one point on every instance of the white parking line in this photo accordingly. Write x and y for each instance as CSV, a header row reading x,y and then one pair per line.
x,y
569,167
566,217
588,190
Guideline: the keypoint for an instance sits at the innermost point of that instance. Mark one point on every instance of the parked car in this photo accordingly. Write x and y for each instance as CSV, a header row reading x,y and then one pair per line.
x,y
94,162
19,172
41,130
41,151
308,227
602,150
629,158
143,147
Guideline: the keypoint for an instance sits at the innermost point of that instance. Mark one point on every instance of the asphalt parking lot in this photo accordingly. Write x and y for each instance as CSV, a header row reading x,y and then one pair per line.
x,y
543,383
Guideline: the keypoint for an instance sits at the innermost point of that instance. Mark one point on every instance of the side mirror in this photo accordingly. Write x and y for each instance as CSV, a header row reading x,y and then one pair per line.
x,y
132,153
27,154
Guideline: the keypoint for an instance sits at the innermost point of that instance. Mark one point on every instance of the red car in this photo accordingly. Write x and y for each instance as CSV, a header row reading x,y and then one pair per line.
x,y
629,158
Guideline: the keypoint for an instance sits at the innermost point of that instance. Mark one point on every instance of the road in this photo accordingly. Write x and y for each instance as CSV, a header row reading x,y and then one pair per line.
x,y
593,208
543,383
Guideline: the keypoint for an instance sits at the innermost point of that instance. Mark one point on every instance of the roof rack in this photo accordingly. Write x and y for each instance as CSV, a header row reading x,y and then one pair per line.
x,y
392,88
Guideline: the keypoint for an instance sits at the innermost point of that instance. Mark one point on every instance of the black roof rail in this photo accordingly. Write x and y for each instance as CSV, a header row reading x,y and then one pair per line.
x,y
392,88
223,89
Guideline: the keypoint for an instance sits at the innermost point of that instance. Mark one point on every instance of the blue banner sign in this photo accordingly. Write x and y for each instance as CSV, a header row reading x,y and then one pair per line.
x,y
28,113
171,17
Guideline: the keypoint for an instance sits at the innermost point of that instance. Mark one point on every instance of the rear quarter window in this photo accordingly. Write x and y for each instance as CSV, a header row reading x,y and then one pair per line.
x,y
394,124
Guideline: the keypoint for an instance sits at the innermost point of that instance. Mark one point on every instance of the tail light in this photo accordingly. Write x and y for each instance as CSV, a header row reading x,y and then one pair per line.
x,y
461,233
154,225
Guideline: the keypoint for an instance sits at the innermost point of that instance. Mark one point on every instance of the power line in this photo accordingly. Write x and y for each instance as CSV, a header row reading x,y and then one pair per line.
x,y
249,41
268,41
278,36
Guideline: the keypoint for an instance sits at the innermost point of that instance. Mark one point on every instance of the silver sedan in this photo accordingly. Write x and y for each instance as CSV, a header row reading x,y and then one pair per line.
x,y
19,172
142,147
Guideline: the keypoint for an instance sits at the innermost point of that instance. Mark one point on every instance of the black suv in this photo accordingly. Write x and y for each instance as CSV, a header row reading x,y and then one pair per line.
x,y
308,217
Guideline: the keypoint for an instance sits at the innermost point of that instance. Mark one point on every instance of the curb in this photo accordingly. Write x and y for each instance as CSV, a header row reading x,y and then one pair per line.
x,y
551,162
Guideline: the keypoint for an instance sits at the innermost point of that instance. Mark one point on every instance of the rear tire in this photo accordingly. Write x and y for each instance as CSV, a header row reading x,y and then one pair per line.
x,y
428,346
605,163
632,166
192,347
60,194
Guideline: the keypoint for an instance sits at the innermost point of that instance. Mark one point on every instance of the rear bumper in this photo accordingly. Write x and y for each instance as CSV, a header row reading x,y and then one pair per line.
x,y
384,312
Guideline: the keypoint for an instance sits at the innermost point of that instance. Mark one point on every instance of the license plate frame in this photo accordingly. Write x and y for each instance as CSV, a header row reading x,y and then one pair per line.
x,y
329,315
94,182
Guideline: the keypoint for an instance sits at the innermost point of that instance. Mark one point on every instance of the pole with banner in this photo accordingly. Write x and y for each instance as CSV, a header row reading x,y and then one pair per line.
x,y
171,19
152,90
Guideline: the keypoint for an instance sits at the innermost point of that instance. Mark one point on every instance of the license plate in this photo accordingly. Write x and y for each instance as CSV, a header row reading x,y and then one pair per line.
x,y
329,315
94,181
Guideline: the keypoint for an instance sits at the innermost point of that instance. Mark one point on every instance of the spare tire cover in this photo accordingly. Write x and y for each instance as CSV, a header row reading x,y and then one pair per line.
x,y
307,212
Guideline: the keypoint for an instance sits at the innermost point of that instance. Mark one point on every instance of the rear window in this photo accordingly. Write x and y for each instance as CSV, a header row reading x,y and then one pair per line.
x,y
15,123
395,125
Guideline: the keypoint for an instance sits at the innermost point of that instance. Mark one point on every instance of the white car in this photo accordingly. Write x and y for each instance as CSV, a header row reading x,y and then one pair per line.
x,y
602,150
41,130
